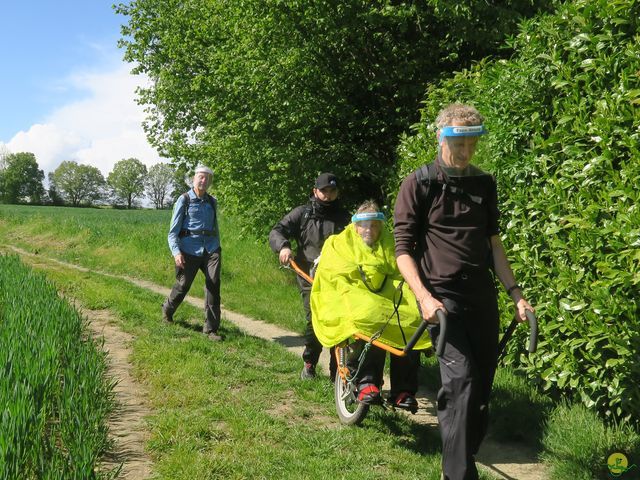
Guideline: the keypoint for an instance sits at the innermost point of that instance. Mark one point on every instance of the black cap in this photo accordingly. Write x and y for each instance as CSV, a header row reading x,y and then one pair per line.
x,y
325,180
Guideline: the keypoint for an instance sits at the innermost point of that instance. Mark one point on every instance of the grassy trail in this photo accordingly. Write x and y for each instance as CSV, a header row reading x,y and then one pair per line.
x,y
505,461
133,244
237,409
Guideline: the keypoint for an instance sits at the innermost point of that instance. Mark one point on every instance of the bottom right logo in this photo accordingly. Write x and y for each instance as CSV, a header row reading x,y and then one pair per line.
x,y
618,464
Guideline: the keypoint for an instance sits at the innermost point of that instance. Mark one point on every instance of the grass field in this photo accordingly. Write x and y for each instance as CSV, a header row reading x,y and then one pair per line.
x,y
237,409
134,243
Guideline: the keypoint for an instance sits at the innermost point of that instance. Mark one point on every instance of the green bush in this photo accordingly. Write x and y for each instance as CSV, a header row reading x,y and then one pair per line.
x,y
564,143
54,394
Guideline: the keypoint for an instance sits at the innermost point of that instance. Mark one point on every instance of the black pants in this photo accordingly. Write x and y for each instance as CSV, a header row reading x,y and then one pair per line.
x,y
403,370
209,264
312,347
467,368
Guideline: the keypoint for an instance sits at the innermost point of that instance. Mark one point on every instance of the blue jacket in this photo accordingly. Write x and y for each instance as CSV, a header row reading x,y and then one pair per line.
x,y
201,218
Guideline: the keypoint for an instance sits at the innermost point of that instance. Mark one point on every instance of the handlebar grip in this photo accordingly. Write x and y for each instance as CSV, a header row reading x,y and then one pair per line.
x,y
533,327
416,336
442,317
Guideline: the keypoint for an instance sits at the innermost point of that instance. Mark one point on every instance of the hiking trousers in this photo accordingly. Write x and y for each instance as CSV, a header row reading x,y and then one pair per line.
x,y
209,264
403,371
312,346
467,369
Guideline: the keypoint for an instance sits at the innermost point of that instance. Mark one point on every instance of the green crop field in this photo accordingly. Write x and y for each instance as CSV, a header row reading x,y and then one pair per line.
x,y
54,393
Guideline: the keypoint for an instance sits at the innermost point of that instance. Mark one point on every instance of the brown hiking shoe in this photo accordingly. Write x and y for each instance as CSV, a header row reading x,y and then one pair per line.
x,y
214,337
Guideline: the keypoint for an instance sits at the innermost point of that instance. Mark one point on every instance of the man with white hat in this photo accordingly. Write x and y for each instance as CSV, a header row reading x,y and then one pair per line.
x,y
194,241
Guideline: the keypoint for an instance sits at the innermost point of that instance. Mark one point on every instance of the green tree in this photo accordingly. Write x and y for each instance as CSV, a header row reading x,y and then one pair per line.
x,y
272,93
53,195
21,179
159,183
77,184
127,179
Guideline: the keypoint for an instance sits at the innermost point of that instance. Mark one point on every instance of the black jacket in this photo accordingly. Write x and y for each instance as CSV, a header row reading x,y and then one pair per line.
x,y
309,225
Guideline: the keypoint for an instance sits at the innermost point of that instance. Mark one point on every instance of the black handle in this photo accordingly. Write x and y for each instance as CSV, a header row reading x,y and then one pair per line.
x,y
533,334
442,317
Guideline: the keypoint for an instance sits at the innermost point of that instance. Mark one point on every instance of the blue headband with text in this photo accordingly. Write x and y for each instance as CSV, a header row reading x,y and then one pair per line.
x,y
364,216
463,131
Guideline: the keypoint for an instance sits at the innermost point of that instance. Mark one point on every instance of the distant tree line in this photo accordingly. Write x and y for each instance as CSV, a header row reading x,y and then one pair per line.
x,y
76,185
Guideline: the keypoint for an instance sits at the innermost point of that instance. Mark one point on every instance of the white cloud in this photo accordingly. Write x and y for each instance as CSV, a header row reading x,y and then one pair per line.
x,y
99,130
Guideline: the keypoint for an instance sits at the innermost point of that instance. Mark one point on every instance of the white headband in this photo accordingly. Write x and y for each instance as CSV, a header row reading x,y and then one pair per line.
x,y
203,169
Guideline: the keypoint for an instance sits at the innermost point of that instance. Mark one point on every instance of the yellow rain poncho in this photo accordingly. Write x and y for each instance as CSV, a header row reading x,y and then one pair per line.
x,y
341,303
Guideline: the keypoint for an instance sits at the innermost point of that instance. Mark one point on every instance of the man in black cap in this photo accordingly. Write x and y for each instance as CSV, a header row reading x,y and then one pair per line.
x,y
310,225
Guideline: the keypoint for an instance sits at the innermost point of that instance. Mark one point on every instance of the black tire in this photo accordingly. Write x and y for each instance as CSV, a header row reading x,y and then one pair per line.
x,y
350,410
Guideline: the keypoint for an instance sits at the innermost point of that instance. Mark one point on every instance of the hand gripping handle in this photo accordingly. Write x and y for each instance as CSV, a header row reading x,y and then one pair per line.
x,y
442,318
533,334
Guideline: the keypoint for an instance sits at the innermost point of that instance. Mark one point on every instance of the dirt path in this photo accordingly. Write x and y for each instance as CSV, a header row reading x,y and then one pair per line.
x,y
126,427
505,461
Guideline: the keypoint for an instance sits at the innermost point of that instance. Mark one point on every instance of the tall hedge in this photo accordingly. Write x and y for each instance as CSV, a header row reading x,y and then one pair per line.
x,y
564,142
271,93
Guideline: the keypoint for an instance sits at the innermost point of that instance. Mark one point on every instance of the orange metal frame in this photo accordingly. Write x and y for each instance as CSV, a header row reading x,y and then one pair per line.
x,y
300,272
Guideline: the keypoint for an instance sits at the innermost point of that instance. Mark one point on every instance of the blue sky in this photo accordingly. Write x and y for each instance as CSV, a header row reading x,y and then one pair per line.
x,y
65,92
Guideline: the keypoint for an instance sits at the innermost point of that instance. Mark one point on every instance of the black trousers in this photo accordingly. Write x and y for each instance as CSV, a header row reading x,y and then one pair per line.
x,y
312,346
403,370
467,369
209,264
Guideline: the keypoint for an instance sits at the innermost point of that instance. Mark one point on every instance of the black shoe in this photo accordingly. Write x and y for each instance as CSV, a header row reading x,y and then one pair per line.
x,y
308,371
406,401
167,315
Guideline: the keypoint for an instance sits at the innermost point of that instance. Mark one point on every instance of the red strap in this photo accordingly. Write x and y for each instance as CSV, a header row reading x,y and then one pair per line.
x,y
368,389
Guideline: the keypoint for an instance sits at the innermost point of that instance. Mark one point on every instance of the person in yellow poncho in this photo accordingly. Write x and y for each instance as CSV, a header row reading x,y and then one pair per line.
x,y
354,288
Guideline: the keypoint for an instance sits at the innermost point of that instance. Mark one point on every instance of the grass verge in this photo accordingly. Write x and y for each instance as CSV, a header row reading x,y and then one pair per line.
x,y
237,409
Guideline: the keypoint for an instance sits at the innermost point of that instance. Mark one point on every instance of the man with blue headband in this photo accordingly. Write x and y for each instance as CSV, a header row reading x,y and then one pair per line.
x,y
355,289
448,249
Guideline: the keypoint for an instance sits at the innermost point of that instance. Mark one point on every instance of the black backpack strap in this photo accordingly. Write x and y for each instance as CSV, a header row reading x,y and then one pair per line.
x,y
427,175
306,215
187,200
212,202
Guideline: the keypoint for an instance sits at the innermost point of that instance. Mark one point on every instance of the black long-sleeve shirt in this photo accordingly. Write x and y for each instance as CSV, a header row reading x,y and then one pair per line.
x,y
450,236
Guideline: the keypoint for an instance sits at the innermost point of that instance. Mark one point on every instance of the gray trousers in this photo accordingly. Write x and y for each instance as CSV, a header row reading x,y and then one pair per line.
x,y
209,264
312,346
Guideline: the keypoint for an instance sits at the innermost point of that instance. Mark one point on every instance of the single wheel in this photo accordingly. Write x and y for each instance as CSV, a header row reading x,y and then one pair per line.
x,y
350,410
